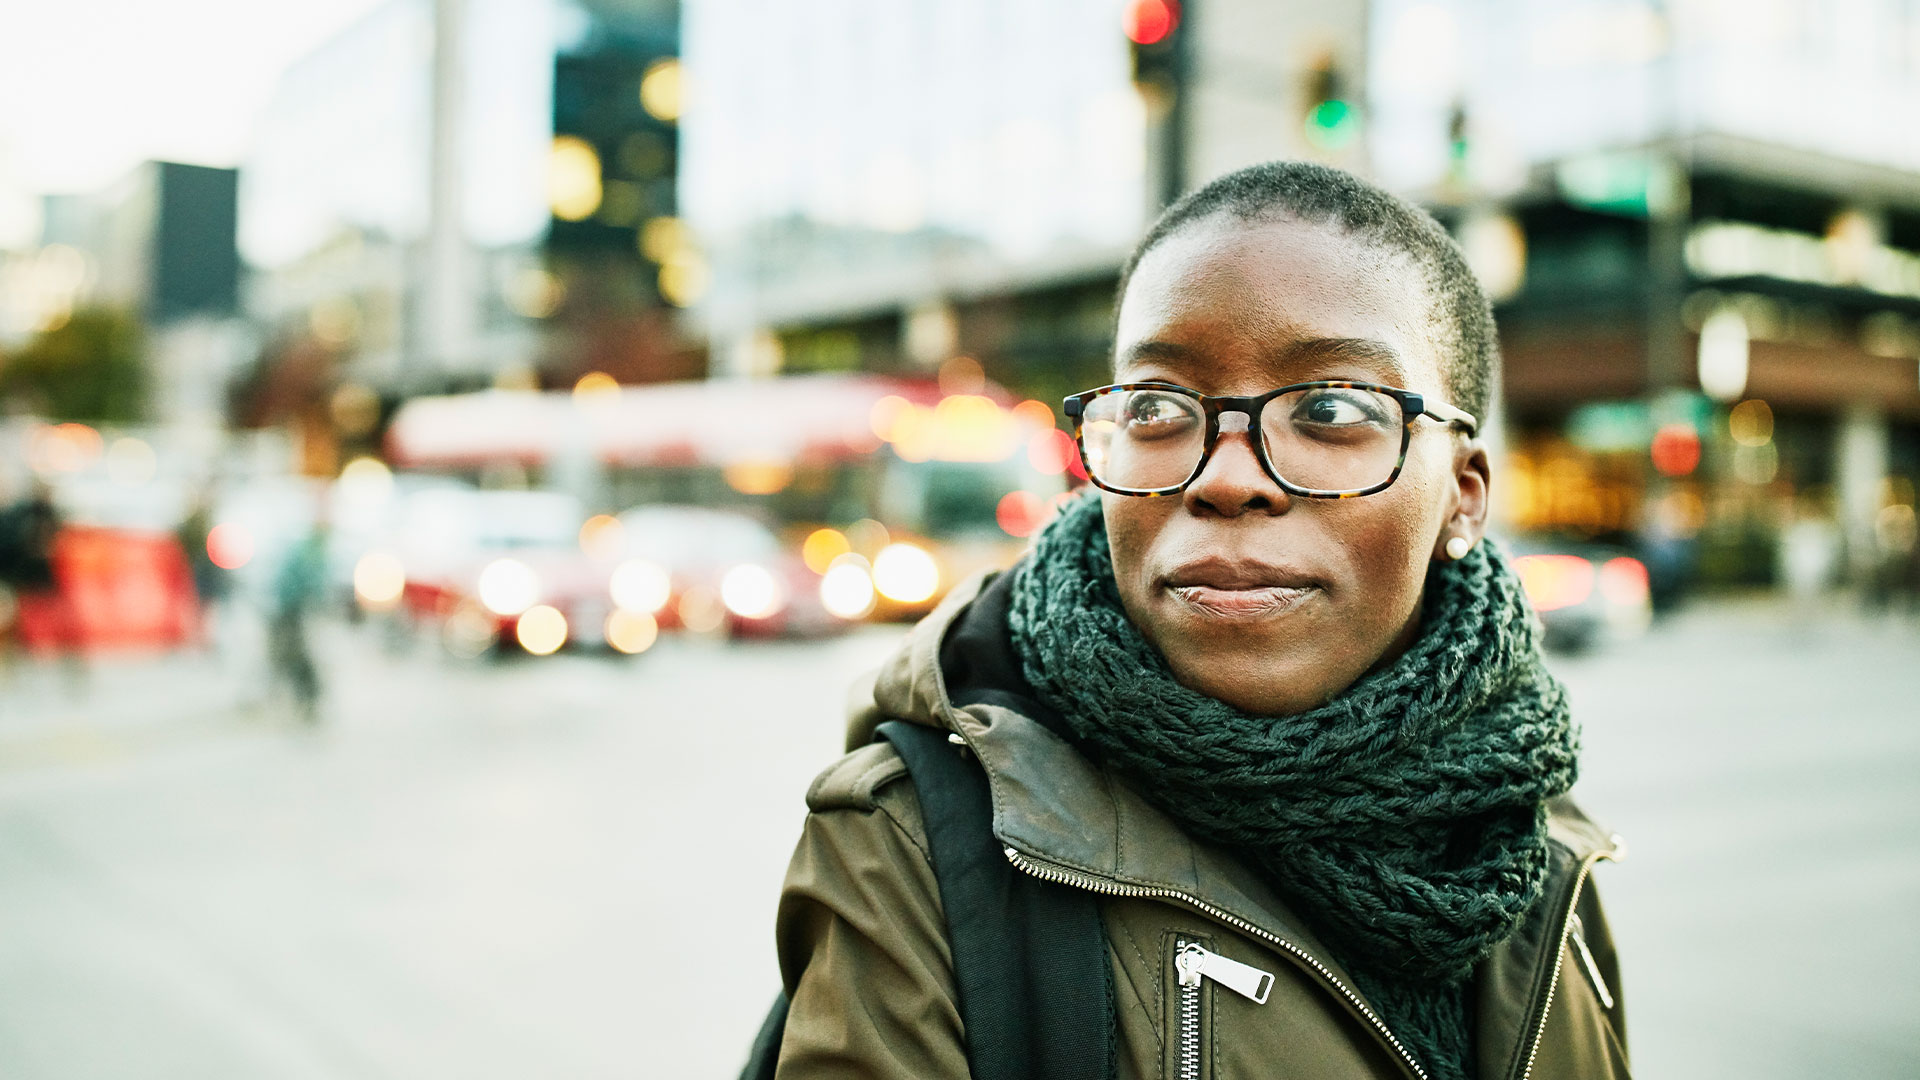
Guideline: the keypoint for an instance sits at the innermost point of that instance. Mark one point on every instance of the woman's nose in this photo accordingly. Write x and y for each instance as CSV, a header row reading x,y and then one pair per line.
x,y
1232,482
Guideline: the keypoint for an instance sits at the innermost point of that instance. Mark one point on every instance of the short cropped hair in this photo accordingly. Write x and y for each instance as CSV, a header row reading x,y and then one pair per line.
x,y
1462,316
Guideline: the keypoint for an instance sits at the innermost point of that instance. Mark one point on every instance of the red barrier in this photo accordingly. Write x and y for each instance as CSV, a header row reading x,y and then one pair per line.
x,y
116,589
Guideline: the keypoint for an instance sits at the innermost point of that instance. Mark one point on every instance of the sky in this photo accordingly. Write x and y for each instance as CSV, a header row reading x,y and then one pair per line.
x,y
90,88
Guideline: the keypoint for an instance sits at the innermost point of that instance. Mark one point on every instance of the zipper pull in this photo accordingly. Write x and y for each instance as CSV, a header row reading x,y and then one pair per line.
x,y
1195,963
1587,961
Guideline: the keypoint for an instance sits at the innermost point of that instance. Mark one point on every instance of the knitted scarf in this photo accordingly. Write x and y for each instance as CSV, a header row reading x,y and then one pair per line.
x,y
1405,818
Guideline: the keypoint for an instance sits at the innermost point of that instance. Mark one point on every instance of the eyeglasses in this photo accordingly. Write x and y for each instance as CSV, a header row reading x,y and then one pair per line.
x,y
1321,440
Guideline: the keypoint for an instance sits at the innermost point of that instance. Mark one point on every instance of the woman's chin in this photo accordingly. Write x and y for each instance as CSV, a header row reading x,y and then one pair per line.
x,y
1253,682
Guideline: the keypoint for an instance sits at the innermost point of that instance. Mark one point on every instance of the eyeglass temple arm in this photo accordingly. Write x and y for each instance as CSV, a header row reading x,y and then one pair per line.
x,y
1442,411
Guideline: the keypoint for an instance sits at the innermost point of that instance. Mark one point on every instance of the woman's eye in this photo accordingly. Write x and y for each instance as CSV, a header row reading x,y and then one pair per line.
x,y
1156,411
1338,408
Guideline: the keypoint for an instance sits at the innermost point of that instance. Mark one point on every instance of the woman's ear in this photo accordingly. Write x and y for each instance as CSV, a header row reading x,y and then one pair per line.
x,y
1468,522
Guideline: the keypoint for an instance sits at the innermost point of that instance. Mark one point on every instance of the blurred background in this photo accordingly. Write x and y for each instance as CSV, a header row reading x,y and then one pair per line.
x,y
455,453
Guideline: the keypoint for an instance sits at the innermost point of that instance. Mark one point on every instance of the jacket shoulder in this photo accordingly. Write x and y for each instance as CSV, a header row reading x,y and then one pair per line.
x,y
1580,834
854,782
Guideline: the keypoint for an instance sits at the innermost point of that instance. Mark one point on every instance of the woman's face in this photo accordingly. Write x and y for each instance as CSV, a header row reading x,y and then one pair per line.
x,y
1268,602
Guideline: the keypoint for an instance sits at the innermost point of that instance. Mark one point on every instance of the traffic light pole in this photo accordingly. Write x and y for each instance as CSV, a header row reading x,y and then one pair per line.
x,y
1173,137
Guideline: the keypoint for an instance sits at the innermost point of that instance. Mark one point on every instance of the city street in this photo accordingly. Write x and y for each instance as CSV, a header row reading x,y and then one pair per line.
x,y
568,868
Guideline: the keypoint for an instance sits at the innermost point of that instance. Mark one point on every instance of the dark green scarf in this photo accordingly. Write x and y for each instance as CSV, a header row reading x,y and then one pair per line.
x,y
1405,818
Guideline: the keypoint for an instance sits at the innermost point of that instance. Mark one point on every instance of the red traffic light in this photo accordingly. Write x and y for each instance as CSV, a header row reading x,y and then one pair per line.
x,y
1149,22
1676,450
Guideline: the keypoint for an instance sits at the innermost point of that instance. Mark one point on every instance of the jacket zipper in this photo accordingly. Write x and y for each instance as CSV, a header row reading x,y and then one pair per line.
x,y
1567,924
1188,965
1195,964
1062,876
1592,965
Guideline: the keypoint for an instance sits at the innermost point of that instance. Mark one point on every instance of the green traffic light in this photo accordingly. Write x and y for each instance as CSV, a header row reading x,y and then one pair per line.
x,y
1332,125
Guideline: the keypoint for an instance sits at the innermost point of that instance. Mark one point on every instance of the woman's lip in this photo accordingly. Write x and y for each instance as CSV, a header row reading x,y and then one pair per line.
x,y
1258,601
1222,572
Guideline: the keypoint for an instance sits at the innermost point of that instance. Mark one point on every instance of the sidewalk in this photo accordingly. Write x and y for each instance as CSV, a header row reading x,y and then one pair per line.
x,y
54,710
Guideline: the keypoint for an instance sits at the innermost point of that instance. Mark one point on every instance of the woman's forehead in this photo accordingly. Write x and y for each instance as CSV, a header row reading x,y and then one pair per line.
x,y
1295,296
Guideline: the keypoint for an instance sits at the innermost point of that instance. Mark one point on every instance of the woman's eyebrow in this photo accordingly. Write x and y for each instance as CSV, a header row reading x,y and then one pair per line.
x,y
1377,355
1166,351
1366,351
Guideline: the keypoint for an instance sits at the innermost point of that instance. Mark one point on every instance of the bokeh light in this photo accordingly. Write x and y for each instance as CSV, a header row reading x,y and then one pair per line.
x,y
1676,450
906,573
131,461
1019,513
1555,581
661,90
63,448
639,585
758,477
508,587
886,415
596,388
602,537
229,545
378,580
1035,413
821,547
632,632
542,630
1148,22
366,478
846,591
468,633
1751,423
684,278
1053,452
701,610
961,375
752,592
573,179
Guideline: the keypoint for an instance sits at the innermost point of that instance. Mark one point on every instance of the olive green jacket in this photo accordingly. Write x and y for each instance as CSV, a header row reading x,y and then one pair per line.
x,y
865,958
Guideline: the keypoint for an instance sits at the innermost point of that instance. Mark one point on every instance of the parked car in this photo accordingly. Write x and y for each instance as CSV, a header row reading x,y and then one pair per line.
x,y
1585,592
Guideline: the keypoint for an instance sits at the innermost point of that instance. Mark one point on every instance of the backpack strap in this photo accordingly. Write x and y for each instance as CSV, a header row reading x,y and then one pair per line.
x,y
1030,968
1030,965
764,1058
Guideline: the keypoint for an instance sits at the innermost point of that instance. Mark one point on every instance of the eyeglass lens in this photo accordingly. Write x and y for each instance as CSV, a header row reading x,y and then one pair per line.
x,y
1334,439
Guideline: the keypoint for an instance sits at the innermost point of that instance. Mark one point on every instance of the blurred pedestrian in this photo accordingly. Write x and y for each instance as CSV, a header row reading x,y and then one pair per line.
x,y
42,612
299,587
1808,558
1894,540
1270,706
28,529
209,581
1668,547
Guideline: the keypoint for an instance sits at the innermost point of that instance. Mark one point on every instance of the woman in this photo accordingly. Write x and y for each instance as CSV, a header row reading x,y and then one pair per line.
x,y
1268,694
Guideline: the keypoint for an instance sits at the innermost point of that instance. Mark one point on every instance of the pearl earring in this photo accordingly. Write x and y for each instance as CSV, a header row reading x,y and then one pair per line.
x,y
1458,547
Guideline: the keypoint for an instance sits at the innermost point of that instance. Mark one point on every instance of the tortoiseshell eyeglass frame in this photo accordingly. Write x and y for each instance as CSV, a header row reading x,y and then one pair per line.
x,y
1412,406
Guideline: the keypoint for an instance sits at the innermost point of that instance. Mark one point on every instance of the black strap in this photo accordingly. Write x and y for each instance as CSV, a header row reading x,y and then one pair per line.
x,y
1029,958
765,1056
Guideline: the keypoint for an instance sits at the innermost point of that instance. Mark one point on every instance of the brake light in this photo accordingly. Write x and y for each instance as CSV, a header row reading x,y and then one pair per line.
x,y
1555,581
1623,580
1020,513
